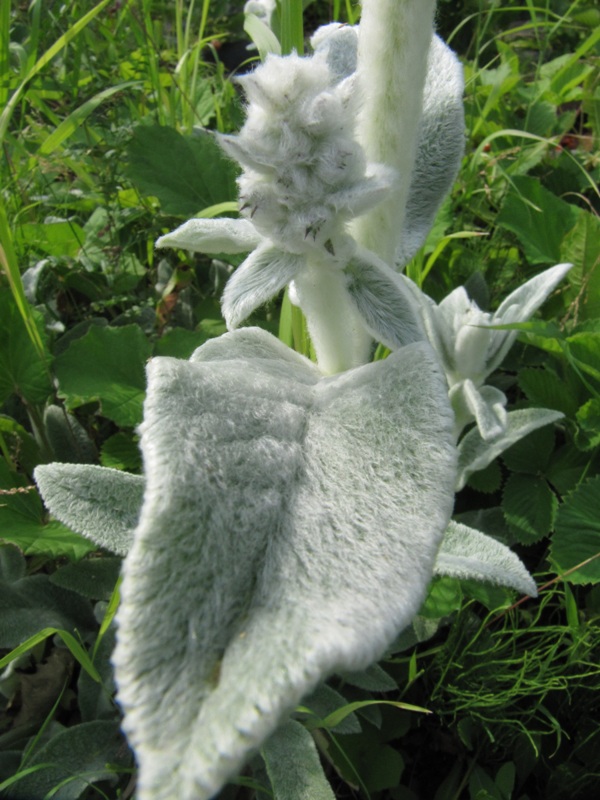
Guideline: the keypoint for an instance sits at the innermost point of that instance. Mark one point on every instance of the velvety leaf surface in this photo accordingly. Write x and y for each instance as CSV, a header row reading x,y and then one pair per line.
x,y
293,765
474,453
100,503
289,530
466,553
75,758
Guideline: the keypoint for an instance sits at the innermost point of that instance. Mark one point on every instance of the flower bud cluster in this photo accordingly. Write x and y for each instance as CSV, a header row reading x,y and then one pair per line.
x,y
305,175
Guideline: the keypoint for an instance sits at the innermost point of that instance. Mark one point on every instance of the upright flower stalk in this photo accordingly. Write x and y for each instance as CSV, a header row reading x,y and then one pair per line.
x,y
394,41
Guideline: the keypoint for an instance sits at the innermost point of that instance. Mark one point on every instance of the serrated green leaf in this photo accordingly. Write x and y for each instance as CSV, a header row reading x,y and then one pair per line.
x,y
487,480
101,504
581,247
245,439
543,387
529,506
185,173
530,454
22,372
588,421
567,468
293,765
106,365
67,437
577,535
539,219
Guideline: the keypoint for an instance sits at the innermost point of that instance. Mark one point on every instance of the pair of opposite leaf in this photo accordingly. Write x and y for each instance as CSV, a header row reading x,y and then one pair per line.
x,y
288,523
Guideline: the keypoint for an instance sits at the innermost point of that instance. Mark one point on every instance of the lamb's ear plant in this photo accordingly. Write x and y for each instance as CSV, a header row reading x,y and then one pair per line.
x,y
291,514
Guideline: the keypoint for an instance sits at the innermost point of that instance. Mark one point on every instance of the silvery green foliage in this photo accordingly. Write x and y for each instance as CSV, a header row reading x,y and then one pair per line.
x,y
467,553
440,148
104,505
475,453
306,177
289,529
100,503
470,349
263,9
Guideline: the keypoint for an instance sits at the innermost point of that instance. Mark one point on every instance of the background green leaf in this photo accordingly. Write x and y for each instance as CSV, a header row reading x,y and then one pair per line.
x,y
106,365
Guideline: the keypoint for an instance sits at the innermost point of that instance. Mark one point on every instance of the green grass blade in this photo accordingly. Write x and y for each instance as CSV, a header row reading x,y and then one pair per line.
x,y
74,120
70,641
4,51
44,59
8,262
292,27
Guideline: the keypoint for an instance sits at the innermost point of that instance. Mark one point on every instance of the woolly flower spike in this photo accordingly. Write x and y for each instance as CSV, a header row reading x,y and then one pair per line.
x,y
470,349
305,176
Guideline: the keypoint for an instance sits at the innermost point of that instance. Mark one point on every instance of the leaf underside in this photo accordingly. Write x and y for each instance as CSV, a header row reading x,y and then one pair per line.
x,y
289,530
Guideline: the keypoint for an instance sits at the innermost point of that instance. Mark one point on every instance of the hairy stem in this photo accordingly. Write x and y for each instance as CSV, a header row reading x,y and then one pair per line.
x,y
394,41
340,340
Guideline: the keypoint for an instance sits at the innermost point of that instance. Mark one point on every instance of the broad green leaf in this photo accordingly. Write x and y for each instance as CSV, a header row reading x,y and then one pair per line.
x,y
529,506
106,365
100,503
22,522
23,448
588,422
274,496
67,437
185,173
12,564
445,596
469,554
531,454
60,238
22,371
73,760
179,343
92,577
577,535
293,765
122,451
581,246
539,219
545,388
474,453
32,603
